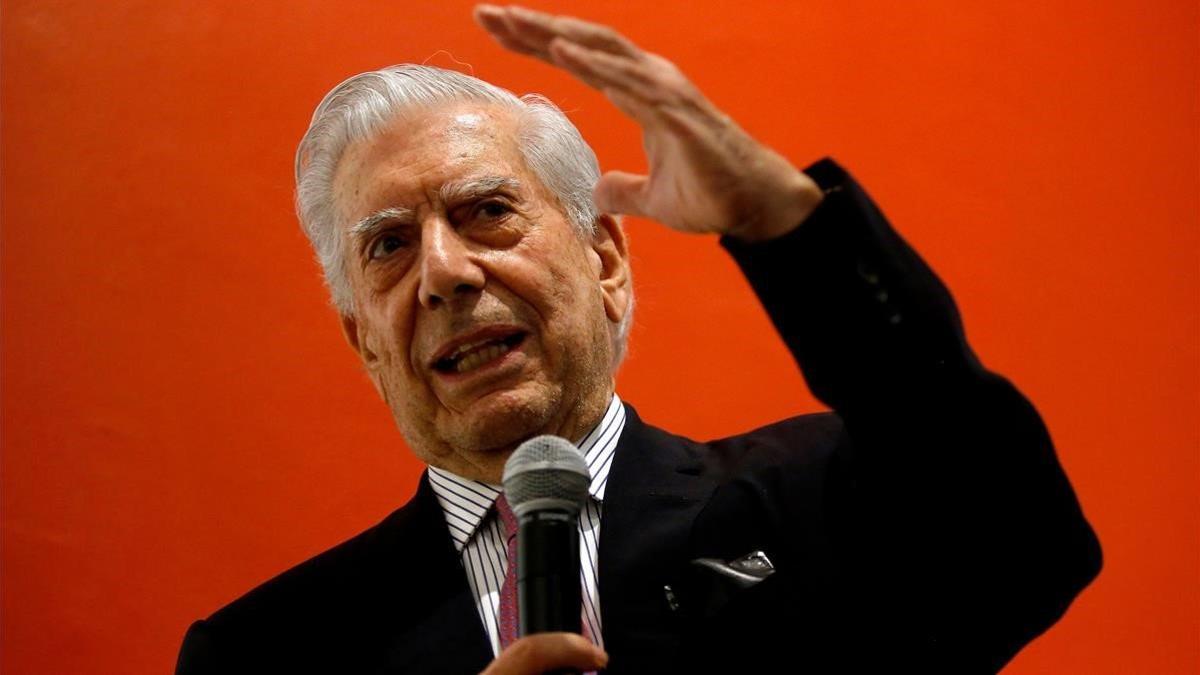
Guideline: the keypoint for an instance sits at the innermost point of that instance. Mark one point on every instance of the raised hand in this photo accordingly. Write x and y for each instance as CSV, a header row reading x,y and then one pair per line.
x,y
706,175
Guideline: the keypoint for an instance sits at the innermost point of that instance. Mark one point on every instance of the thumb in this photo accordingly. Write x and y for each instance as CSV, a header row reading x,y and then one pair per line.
x,y
620,192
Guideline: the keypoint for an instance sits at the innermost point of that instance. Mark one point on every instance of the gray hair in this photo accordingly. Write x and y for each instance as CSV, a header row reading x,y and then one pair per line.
x,y
360,107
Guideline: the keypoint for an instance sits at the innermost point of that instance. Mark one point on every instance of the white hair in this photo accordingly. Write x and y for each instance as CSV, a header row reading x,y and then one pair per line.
x,y
360,107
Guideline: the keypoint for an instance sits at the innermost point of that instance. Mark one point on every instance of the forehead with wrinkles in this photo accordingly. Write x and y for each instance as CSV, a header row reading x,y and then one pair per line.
x,y
421,149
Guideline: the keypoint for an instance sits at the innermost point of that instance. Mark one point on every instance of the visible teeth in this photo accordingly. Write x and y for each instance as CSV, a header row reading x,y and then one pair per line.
x,y
485,355
463,349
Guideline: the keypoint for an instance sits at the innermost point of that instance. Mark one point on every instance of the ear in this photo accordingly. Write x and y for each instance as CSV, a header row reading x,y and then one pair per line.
x,y
610,256
356,340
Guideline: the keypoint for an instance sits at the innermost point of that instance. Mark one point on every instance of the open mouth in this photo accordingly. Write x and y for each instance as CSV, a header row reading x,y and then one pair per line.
x,y
473,355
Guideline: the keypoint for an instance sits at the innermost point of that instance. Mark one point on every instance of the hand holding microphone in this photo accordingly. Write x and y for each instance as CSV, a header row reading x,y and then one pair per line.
x,y
544,652
546,484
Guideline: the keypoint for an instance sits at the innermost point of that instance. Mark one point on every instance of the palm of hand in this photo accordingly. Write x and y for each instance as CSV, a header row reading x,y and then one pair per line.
x,y
687,192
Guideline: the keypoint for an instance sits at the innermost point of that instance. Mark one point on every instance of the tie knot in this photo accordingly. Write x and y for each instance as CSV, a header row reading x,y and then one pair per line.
x,y
507,517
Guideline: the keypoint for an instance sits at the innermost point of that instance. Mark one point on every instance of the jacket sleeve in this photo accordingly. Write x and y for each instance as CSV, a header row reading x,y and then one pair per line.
x,y
197,656
964,530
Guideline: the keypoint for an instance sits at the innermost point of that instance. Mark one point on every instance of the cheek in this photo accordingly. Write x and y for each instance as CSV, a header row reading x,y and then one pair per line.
x,y
400,339
389,338
557,289
380,279
578,305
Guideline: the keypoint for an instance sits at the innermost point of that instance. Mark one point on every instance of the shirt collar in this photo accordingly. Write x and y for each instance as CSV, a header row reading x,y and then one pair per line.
x,y
466,503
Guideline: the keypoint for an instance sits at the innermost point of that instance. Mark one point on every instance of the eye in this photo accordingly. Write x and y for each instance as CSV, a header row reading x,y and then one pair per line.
x,y
493,209
385,246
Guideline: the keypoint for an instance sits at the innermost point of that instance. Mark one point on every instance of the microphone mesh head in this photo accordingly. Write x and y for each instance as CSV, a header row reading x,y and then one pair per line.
x,y
546,472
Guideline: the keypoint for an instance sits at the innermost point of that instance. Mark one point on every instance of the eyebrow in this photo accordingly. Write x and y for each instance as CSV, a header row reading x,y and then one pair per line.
x,y
466,190
367,227
454,191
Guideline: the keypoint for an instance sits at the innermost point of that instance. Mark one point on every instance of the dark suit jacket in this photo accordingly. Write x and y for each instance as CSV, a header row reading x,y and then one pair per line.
x,y
926,525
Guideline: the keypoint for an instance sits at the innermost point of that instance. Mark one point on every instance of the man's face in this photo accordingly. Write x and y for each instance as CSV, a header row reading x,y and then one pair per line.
x,y
480,314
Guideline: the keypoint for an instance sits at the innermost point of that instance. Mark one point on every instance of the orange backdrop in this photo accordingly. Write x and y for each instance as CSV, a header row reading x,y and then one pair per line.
x,y
182,420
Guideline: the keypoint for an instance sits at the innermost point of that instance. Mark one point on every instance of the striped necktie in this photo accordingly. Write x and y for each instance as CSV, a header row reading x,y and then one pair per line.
x,y
508,592
509,616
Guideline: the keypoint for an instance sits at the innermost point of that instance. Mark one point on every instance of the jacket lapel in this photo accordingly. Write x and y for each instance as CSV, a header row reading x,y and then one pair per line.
x,y
655,490
443,631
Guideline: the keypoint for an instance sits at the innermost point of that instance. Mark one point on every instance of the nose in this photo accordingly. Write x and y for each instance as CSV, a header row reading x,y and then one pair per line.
x,y
448,267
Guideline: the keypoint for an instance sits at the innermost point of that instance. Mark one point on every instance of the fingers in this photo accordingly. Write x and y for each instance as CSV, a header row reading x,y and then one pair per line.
x,y
621,192
531,32
548,651
590,35
642,85
605,71
498,22
596,54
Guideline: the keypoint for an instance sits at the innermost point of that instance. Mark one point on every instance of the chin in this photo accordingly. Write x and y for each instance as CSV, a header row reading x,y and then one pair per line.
x,y
506,419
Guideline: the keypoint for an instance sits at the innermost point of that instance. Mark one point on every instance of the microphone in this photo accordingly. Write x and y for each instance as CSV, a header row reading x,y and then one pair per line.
x,y
546,483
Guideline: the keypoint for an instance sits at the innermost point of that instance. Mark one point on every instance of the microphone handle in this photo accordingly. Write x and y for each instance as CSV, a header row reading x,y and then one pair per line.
x,y
548,572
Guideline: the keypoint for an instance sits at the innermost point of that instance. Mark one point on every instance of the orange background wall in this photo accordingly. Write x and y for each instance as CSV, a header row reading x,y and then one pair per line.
x,y
181,419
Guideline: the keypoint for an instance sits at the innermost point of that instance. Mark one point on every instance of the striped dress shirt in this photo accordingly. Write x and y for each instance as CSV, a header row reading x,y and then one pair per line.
x,y
478,534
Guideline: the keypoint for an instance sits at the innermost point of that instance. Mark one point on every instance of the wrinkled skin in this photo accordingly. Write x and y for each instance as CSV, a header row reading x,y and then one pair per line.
x,y
502,261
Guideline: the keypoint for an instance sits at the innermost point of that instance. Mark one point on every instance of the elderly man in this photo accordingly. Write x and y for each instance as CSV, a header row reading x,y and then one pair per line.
x,y
467,240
